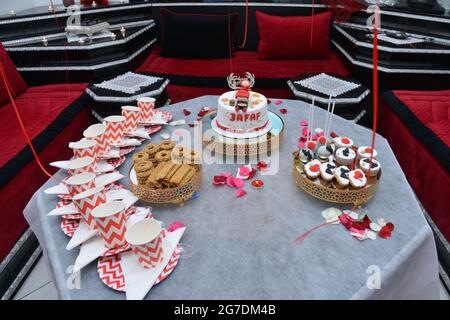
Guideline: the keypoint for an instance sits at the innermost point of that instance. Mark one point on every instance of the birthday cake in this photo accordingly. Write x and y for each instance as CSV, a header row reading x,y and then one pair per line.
x,y
242,112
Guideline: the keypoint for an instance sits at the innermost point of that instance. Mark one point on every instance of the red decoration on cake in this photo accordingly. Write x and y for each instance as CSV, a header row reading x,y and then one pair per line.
x,y
242,87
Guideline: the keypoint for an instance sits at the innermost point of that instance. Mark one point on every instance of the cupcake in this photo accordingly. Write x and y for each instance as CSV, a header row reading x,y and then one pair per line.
x,y
343,142
375,168
357,178
327,171
341,175
365,152
324,151
312,169
345,156
305,155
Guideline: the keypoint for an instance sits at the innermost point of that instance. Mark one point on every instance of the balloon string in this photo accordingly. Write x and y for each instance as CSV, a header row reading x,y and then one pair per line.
x,y
244,41
311,37
19,118
374,124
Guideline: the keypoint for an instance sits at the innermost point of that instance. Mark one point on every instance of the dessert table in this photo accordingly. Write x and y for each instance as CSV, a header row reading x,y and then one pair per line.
x,y
242,248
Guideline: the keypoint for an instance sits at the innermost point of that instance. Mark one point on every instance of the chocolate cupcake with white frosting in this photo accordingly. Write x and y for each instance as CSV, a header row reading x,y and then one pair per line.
x,y
342,176
345,156
365,152
374,169
357,178
327,170
312,169
343,142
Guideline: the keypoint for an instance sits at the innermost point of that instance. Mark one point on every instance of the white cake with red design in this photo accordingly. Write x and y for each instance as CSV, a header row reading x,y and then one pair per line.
x,y
242,113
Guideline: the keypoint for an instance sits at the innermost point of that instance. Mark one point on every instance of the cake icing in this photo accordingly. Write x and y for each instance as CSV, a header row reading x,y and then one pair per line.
x,y
242,120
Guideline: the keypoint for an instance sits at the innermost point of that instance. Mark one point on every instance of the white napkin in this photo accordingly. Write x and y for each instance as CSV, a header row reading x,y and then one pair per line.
x,y
103,166
60,164
67,209
140,132
93,247
100,180
112,154
128,142
177,122
139,280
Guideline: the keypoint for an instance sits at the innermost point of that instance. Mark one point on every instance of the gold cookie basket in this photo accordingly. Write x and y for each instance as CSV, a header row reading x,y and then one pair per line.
x,y
177,195
249,147
328,191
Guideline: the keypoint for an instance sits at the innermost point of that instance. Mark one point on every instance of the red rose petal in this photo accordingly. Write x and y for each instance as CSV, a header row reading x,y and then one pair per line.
x,y
278,102
192,125
385,233
252,173
186,112
240,193
283,111
219,180
390,226
261,165
244,171
304,123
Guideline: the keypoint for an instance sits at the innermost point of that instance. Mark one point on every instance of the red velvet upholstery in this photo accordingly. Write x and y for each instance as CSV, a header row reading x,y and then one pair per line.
x,y
242,62
16,194
290,37
412,144
39,106
16,81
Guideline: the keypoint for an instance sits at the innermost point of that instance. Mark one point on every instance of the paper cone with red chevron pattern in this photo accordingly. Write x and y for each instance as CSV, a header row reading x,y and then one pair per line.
x,y
80,182
115,126
110,220
147,105
84,148
146,242
86,202
131,115
97,132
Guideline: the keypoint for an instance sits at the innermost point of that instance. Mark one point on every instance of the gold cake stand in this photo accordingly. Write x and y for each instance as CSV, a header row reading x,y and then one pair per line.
x,y
242,147
328,191
176,195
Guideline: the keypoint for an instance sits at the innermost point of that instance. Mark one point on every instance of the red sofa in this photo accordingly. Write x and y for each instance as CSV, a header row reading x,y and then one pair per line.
x,y
53,115
417,125
191,78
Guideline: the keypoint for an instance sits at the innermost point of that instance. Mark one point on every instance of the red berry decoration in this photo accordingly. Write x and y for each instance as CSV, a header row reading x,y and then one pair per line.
x,y
186,112
252,173
315,168
358,175
345,140
385,232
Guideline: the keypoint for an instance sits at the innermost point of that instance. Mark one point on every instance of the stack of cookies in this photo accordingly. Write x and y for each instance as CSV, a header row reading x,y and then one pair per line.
x,y
165,165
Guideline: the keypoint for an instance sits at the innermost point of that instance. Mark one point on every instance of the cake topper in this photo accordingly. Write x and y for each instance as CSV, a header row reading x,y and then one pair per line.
x,y
242,86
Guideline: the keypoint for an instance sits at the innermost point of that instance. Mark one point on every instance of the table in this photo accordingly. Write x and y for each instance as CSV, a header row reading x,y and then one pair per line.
x,y
348,105
240,248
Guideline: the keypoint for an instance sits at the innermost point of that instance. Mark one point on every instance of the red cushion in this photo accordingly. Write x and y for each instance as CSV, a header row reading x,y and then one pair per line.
x,y
432,108
425,173
242,62
290,37
16,81
39,106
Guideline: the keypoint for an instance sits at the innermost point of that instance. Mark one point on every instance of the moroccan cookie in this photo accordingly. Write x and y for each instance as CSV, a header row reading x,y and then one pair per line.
x,y
167,145
142,166
151,149
189,175
140,156
163,155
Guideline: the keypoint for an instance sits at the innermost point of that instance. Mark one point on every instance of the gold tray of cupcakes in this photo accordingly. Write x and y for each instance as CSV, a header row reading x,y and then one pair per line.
x,y
165,173
337,172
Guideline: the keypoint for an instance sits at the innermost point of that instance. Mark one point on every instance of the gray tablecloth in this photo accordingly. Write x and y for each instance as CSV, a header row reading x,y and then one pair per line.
x,y
240,248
